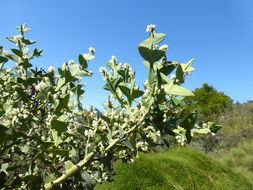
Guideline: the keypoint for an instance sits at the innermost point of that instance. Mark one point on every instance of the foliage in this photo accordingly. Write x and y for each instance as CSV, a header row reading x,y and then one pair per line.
x,y
239,158
237,126
48,140
179,169
209,102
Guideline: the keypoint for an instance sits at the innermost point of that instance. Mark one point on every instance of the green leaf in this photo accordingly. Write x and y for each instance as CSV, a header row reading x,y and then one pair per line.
x,y
177,90
188,123
44,92
166,79
57,139
7,107
125,91
17,52
68,164
151,76
78,71
137,93
167,68
37,52
180,74
128,144
47,178
121,132
3,59
13,40
188,66
151,55
215,128
62,105
28,42
147,43
159,37
112,143
59,126
88,57
14,58
82,61
25,63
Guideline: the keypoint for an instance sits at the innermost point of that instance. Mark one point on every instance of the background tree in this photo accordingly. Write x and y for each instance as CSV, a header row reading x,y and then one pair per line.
x,y
209,102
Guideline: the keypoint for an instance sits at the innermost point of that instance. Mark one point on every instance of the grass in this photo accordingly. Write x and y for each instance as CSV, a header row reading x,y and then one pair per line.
x,y
239,158
178,169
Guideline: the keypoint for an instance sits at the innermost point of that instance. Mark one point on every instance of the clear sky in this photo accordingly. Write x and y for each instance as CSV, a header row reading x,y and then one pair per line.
x,y
217,33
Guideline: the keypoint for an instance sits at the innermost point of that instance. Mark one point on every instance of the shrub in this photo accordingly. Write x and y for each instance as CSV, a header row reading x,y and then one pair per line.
x,y
180,168
209,103
47,138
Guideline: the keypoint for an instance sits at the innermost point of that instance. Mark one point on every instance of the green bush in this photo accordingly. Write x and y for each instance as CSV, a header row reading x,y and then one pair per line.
x,y
180,168
209,102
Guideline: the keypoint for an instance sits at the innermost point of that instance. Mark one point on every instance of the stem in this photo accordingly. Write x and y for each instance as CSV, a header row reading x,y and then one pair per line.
x,y
70,172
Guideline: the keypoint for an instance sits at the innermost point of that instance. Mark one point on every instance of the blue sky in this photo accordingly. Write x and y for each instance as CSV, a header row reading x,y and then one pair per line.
x,y
217,33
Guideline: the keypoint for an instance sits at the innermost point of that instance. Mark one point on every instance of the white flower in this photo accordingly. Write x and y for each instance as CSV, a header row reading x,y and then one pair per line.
x,y
173,76
155,46
126,65
113,58
92,50
131,74
5,52
51,69
164,47
150,27
25,57
17,37
71,62
65,65
88,133
8,70
40,86
102,69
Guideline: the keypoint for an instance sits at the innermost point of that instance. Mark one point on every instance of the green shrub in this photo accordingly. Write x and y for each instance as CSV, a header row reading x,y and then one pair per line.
x,y
209,102
180,168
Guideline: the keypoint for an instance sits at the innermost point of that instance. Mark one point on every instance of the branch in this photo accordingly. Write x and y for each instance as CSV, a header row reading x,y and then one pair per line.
x,y
70,172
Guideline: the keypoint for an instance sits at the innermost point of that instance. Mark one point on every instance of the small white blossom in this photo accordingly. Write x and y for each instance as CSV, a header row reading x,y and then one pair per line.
x,y
88,133
150,27
17,37
40,86
113,58
173,76
71,62
5,52
8,70
126,65
92,50
164,47
155,46
25,56
51,69
102,69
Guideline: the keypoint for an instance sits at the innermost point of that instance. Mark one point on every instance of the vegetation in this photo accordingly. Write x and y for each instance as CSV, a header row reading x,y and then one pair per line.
x,y
209,103
180,169
48,140
237,127
240,158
